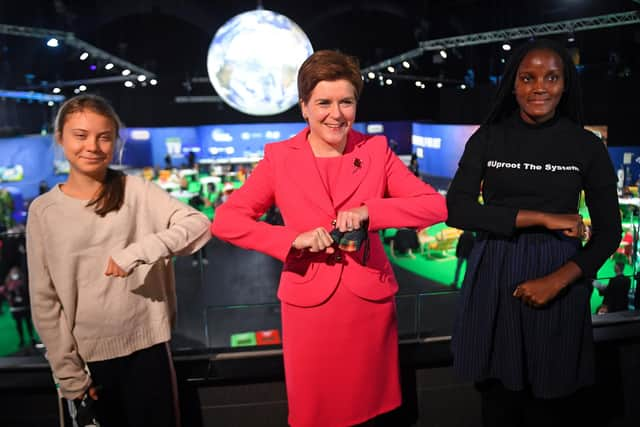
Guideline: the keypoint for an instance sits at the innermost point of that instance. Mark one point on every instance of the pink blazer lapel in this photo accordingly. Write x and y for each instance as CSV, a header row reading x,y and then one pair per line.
x,y
303,173
356,163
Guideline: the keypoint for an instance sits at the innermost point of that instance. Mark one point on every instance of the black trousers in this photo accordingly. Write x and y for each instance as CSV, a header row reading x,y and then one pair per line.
x,y
138,390
507,408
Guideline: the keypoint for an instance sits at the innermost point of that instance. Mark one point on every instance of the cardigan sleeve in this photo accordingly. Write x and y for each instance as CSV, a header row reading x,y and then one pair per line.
x,y
465,211
49,316
182,230
408,201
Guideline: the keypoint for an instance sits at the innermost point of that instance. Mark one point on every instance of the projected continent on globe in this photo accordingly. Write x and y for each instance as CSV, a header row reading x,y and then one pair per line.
x,y
253,62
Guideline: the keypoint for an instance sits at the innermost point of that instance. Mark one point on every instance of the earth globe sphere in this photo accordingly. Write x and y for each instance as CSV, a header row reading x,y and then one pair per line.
x,y
253,61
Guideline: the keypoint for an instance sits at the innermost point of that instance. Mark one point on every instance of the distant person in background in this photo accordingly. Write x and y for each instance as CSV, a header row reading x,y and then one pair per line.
x,y
636,296
167,162
17,294
523,330
43,187
191,160
616,293
199,202
101,280
227,190
393,145
463,250
335,188
413,165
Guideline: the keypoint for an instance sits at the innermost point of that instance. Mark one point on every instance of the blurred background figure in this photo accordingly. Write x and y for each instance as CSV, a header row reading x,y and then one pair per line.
x,y
15,291
463,250
616,293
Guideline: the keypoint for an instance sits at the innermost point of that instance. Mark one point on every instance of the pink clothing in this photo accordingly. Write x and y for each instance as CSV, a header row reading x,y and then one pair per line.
x,y
338,315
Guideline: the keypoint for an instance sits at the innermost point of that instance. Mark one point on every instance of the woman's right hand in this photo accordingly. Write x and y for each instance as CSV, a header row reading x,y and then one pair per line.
x,y
315,240
571,225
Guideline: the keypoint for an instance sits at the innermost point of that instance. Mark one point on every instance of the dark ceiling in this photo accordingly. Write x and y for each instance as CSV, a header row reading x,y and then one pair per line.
x,y
171,38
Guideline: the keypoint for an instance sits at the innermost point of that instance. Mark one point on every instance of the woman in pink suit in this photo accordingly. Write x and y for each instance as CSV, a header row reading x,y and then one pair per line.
x,y
339,324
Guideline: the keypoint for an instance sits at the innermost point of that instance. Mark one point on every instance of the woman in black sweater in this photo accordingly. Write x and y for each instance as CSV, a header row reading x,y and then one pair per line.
x,y
523,330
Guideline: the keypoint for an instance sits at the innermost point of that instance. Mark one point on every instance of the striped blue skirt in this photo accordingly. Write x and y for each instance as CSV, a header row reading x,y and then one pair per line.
x,y
547,350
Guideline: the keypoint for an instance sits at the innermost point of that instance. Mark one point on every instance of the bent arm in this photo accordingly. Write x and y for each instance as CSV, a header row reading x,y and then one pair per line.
x,y
465,211
236,220
409,201
185,231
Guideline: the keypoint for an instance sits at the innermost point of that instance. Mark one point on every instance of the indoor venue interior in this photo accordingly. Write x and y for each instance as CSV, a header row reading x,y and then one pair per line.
x,y
193,125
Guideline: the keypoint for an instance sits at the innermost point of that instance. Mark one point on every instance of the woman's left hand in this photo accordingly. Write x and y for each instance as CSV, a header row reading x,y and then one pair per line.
x,y
114,269
352,219
537,292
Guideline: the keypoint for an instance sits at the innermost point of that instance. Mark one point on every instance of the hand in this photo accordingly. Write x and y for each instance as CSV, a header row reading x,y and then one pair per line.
x,y
570,224
537,292
315,240
352,219
114,269
85,411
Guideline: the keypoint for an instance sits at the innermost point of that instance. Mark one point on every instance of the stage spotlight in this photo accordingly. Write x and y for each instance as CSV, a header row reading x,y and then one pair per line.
x,y
128,83
463,86
153,82
142,78
108,66
571,38
56,90
406,64
439,84
50,103
389,82
443,53
92,67
76,91
82,88
506,46
84,56
418,83
371,75
53,42
126,72
391,69
422,86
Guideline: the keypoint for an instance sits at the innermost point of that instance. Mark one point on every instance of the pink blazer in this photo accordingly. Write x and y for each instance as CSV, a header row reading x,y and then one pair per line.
x,y
288,178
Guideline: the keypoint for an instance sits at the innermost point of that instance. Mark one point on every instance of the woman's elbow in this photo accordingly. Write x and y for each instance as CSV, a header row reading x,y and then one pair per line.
x,y
220,224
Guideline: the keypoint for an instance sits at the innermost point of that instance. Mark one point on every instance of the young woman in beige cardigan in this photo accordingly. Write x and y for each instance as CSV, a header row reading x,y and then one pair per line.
x,y
99,250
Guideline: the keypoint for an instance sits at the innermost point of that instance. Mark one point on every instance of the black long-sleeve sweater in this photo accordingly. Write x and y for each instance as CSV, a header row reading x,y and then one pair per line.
x,y
541,168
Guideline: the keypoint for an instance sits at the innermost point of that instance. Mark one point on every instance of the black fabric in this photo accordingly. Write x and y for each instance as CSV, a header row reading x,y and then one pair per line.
x,y
136,390
540,168
507,408
547,350
465,244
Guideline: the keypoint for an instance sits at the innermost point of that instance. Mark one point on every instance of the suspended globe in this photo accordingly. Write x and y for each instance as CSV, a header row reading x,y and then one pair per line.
x,y
253,62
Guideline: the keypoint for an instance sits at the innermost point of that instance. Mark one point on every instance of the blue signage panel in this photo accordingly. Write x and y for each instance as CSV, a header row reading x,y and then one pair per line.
x,y
439,147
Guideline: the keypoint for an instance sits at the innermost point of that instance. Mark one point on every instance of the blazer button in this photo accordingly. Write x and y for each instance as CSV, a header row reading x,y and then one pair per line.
x,y
338,257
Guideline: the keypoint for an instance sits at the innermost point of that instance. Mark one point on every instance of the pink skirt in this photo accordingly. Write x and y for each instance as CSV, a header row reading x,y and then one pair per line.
x,y
341,360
